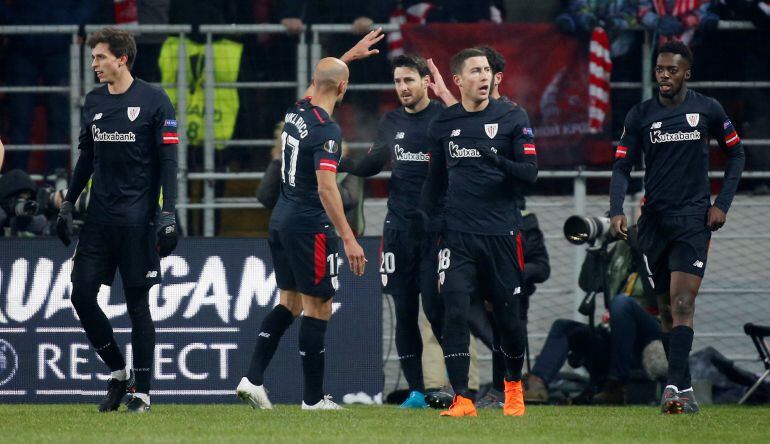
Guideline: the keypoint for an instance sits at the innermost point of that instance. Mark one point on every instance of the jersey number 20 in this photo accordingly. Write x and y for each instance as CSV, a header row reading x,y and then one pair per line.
x,y
292,144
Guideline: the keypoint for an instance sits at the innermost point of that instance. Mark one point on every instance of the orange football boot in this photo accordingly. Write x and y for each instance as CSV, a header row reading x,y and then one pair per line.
x,y
461,406
514,399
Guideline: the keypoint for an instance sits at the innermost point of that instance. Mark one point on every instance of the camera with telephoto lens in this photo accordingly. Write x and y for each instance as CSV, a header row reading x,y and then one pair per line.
x,y
21,206
580,230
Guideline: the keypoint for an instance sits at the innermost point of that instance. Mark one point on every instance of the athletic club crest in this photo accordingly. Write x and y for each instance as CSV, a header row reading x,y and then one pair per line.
x,y
693,119
491,130
133,112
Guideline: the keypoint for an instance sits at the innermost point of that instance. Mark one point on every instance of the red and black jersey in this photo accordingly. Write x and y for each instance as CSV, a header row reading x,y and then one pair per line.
x,y
675,144
311,141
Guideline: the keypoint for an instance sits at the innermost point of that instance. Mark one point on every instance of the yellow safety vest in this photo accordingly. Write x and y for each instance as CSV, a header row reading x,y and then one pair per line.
x,y
227,62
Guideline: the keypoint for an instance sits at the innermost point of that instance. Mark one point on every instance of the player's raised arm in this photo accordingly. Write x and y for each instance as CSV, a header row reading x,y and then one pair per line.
x,y
363,48
360,50
628,150
727,137
438,86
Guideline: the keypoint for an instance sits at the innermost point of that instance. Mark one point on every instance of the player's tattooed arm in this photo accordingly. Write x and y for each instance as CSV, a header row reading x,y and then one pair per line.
x,y
438,86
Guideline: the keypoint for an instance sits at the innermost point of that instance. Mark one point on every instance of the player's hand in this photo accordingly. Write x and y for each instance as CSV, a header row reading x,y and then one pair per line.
x,y
356,258
716,218
491,155
362,50
167,234
620,226
64,223
437,85
293,25
361,25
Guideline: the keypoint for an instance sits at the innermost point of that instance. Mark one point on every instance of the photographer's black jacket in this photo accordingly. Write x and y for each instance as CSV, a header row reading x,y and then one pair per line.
x,y
675,144
128,142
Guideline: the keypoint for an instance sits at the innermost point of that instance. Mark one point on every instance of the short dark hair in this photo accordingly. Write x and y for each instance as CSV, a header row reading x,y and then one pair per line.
x,y
496,60
677,47
120,41
412,61
456,64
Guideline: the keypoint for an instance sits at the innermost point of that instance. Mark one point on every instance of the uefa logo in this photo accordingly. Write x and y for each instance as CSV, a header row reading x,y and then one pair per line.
x,y
9,362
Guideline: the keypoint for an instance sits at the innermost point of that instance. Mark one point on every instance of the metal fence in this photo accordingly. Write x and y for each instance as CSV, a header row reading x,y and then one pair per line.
x,y
734,286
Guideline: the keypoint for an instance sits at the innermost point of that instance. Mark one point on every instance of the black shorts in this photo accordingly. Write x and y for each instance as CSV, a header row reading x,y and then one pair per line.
x,y
102,249
401,256
306,262
672,243
491,266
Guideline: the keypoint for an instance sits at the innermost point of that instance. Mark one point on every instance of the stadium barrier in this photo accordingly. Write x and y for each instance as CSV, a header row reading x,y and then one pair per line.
x,y
207,315
734,272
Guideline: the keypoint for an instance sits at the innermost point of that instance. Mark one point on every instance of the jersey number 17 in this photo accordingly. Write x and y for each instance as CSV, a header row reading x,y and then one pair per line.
x,y
292,145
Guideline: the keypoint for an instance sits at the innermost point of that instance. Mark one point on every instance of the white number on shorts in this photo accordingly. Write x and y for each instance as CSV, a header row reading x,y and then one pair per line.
x,y
293,144
334,263
387,262
443,259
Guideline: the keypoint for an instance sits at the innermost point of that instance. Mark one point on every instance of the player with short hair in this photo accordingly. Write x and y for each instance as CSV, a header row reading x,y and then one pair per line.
x,y
128,148
302,236
672,131
481,148
408,255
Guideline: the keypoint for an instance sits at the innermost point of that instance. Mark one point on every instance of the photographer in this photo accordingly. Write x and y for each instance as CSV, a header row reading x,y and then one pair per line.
x,y
25,209
628,338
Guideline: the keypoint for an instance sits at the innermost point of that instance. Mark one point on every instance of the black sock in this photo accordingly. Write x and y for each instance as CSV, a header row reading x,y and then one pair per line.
x,y
498,362
408,339
678,363
311,348
456,341
513,364
96,325
142,335
272,329
665,338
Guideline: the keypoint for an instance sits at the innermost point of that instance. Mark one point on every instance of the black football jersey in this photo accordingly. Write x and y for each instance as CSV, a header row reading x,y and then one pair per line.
x,y
405,136
311,141
675,144
480,197
125,132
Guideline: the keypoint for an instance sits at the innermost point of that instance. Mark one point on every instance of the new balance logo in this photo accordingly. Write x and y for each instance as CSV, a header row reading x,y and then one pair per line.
x,y
517,290
656,125
400,135
151,274
264,334
455,133
697,264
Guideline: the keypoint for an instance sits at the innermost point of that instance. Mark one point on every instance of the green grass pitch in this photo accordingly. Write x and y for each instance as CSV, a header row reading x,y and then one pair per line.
x,y
80,423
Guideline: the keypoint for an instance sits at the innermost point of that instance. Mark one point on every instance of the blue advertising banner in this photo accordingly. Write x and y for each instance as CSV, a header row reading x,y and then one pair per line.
x,y
207,312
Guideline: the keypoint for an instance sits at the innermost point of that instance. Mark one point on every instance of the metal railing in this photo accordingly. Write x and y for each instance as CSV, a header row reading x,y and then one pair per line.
x,y
73,89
